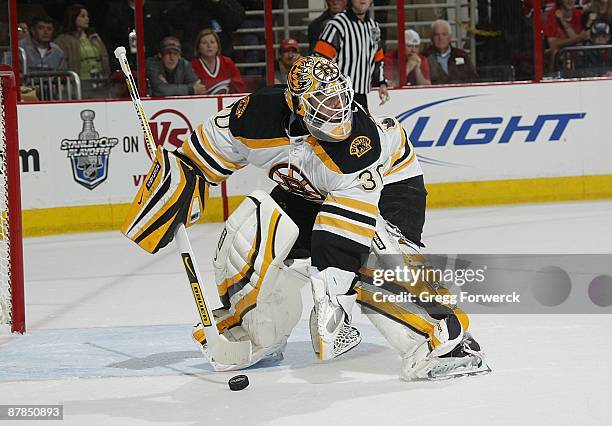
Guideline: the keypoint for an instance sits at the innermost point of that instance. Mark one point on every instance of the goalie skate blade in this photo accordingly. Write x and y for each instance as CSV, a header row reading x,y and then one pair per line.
x,y
459,367
231,353
434,368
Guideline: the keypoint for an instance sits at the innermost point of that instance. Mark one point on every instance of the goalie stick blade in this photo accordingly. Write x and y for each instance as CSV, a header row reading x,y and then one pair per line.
x,y
225,352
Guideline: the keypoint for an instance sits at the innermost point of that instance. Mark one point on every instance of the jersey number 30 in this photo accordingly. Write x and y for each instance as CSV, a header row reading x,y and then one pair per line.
x,y
371,180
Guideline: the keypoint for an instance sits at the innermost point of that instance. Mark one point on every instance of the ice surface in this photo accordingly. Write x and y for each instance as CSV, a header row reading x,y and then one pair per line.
x,y
109,337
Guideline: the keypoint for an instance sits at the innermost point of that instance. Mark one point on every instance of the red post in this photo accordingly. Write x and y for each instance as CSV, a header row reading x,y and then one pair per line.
x,y
15,43
140,55
14,213
401,43
269,22
538,55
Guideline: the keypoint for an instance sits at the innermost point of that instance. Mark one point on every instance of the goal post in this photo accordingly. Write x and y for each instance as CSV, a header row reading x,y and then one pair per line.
x,y
12,303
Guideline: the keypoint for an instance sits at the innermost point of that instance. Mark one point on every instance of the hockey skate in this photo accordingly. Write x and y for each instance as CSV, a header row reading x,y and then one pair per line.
x,y
464,360
330,319
346,338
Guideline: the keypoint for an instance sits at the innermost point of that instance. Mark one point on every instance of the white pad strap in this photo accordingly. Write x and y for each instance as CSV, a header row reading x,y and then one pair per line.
x,y
333,284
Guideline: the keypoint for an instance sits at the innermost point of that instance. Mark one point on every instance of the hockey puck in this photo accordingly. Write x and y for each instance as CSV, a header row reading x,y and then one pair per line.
x,y
238,382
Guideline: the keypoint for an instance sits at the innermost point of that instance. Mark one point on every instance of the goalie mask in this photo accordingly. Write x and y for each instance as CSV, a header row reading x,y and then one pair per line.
x,y
321,95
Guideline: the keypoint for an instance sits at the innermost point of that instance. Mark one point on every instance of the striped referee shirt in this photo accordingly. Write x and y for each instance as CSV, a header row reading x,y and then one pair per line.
x,y
356,46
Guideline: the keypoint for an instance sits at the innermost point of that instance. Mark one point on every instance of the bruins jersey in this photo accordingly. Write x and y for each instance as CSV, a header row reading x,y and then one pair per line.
x,y
346,177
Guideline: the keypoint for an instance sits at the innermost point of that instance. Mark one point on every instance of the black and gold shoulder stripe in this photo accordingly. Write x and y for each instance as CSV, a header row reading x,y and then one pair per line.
x,y
258,120
403,157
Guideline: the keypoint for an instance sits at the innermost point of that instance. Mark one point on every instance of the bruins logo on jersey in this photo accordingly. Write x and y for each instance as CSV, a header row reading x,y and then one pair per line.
x,y
242,104
291,179
299,78
360,145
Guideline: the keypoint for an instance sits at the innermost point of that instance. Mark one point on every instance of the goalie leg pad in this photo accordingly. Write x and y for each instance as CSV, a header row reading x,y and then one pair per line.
x,y
411,345
260,294
171,193
441,325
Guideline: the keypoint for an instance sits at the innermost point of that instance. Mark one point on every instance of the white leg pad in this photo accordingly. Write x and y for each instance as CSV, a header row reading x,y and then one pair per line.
x,y
261,294
278,310
404,340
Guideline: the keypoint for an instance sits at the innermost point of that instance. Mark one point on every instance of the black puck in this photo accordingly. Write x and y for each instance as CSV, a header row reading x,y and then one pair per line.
x,y
238,382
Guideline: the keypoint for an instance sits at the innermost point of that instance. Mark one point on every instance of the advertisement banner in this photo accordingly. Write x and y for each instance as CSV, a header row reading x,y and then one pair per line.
x,y
91,153
496,132
87,154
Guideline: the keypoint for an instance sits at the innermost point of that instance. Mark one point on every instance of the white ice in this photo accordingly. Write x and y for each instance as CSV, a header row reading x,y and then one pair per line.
x,y
109,338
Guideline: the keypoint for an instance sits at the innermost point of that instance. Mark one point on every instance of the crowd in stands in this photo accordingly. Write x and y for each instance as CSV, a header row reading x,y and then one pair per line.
x,y
566,25
189,45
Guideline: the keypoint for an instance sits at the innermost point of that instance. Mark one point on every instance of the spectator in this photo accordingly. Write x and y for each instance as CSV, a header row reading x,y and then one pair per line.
x,y
23,32
217,73
41,53
289,53
417,66
84,50
171,75
596,63
596,9
448,64
562,27
353,40
546,6
315,27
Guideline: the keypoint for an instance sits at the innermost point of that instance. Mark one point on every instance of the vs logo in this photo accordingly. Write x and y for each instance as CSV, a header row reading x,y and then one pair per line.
x,y
169,128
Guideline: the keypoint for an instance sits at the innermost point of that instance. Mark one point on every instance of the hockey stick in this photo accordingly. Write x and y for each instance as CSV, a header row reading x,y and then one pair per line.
x,y
222,350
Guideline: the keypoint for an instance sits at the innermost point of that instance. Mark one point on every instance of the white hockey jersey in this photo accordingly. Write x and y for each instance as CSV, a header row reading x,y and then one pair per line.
x,y
346,178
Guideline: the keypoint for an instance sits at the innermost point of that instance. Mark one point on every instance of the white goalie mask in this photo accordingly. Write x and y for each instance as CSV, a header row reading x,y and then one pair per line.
x,y
319,93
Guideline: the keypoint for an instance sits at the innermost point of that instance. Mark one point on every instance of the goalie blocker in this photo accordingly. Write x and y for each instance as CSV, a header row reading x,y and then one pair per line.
x,y
172,193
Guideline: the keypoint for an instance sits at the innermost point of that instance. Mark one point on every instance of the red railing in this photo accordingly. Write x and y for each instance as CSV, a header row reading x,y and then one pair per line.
x,y
538,54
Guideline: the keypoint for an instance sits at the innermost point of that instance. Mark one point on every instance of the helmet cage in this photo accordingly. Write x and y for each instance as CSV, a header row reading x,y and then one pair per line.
x,y
327,110
322,96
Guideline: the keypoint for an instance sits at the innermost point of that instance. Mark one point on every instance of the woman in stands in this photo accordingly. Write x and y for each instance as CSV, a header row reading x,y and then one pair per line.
x,y
84,50
217,72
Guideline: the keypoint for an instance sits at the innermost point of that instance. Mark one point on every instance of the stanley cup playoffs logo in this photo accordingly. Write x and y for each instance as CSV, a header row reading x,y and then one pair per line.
x,y
89,153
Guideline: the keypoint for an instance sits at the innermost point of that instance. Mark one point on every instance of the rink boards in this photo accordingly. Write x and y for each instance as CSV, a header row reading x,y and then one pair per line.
x,y
82,162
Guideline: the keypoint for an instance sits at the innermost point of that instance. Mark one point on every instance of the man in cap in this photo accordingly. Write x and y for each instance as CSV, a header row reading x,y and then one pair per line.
x,y
417,67
289,53
596,62
171,75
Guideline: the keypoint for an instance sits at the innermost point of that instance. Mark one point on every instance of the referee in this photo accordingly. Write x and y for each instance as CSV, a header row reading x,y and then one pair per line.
x,y
352,39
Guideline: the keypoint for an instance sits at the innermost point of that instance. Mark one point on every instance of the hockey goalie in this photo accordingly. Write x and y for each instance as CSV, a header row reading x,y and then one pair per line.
x,y
349,198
